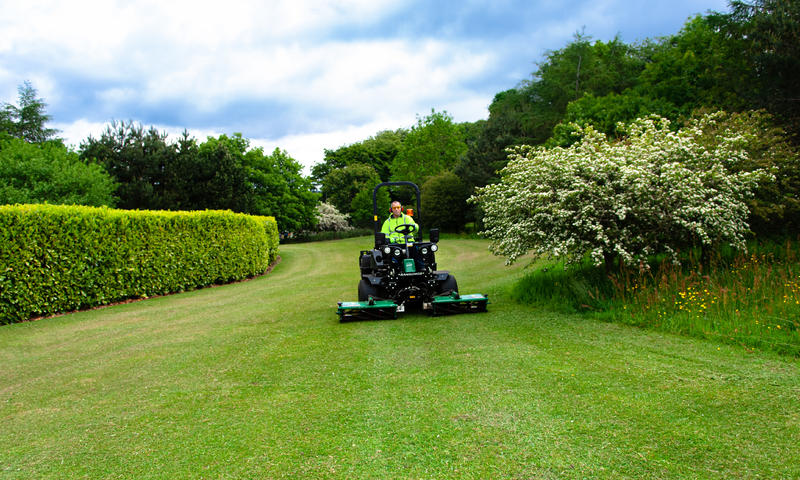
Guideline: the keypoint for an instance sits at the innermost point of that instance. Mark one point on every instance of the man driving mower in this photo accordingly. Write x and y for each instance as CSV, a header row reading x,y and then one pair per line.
x,y
396,219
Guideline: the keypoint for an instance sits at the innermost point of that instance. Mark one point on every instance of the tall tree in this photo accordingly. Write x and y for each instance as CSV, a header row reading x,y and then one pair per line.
x,y
766,34
433,145
27,120
277,188
377,151
343,184
137,159
444,202
698,67
528,113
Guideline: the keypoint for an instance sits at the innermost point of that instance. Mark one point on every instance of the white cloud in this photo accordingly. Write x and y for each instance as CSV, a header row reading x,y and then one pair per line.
x,y
75,132
308,149
326,65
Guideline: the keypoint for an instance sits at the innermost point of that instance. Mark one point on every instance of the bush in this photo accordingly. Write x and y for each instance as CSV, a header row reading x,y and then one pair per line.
x,y
656,191
62,258
330,219
50,173
444,202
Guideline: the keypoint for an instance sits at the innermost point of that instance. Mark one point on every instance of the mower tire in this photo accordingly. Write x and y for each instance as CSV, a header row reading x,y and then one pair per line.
x,y
366,290
448,286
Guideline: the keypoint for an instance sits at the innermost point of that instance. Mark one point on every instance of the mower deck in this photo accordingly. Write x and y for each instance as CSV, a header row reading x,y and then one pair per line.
x,y
455,303
372,310
386,309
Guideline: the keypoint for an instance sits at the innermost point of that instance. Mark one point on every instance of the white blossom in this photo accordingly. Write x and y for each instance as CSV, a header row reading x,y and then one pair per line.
x,y
655,191
329,218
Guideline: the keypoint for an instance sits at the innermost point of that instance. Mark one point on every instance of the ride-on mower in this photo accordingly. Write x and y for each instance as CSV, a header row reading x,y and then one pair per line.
x,y
400,276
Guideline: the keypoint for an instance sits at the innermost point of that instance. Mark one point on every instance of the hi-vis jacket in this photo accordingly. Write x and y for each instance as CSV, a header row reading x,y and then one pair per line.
x,y
391,223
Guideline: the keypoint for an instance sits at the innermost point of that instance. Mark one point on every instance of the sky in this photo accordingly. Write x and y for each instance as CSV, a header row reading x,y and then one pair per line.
x,y
299,75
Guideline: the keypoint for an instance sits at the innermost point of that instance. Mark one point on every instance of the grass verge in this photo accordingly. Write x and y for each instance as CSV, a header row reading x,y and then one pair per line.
x,y
751,300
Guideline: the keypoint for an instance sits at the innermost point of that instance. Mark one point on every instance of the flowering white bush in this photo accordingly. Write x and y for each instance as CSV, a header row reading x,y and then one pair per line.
x,y
655,191
329,218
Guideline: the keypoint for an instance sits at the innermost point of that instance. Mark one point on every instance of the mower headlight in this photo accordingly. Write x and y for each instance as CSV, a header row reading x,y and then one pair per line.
x,y
434,248
397,252
387,250
424,250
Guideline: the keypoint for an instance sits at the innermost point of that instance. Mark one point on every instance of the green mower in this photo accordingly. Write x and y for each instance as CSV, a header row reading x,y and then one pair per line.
x,y
396,277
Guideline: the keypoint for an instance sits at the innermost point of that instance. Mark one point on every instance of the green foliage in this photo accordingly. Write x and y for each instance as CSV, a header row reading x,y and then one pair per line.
x,y
444,202
582,67
60,258
606,113
27,120
775,206
219,177
657,191
141,162
342,185
764,34
220,173
276,187
433,145
361,207
697,67
509,123
378,152
49,173
527,114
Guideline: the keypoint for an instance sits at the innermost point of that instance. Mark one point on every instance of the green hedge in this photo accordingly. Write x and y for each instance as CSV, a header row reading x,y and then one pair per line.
x,y
57,258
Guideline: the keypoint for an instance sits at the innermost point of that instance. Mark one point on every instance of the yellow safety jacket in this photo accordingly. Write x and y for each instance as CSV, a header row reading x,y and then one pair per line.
x,y
391,223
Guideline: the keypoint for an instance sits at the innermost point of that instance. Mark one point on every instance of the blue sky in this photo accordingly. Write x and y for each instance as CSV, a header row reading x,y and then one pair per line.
x,y
301,75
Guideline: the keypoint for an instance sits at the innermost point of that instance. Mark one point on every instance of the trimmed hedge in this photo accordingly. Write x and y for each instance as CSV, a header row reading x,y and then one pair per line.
x,y
56,258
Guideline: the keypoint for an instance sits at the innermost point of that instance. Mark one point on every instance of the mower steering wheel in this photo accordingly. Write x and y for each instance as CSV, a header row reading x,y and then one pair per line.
x,y
405,229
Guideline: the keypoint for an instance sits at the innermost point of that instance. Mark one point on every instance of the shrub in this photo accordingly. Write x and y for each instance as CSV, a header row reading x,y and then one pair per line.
x,y
656,191
62,258
330,219
444,202
50,173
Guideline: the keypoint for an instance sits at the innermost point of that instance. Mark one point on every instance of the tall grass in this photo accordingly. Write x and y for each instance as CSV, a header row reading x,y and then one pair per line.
x,y
749,299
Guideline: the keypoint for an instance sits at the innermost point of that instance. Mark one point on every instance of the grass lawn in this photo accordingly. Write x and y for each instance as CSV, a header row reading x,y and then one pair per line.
x,y
259,380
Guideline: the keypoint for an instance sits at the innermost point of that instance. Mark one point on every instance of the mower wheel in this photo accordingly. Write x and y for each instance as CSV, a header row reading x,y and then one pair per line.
x,y
448,286
366,290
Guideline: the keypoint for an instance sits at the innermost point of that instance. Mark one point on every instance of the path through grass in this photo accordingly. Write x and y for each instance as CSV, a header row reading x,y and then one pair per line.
x,y
259,380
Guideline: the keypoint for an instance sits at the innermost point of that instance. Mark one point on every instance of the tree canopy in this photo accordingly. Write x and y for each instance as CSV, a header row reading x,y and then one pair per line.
x,y
49,173
220,173
433,145
27,120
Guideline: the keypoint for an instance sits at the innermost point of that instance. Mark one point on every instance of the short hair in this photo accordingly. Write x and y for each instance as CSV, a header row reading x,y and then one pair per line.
x,y
397,202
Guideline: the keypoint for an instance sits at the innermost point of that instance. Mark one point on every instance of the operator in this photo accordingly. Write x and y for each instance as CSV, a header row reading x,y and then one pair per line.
x,y
396,219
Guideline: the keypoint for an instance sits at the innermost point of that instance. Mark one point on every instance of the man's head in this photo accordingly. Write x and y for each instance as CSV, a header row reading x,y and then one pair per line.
x,y
397,209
